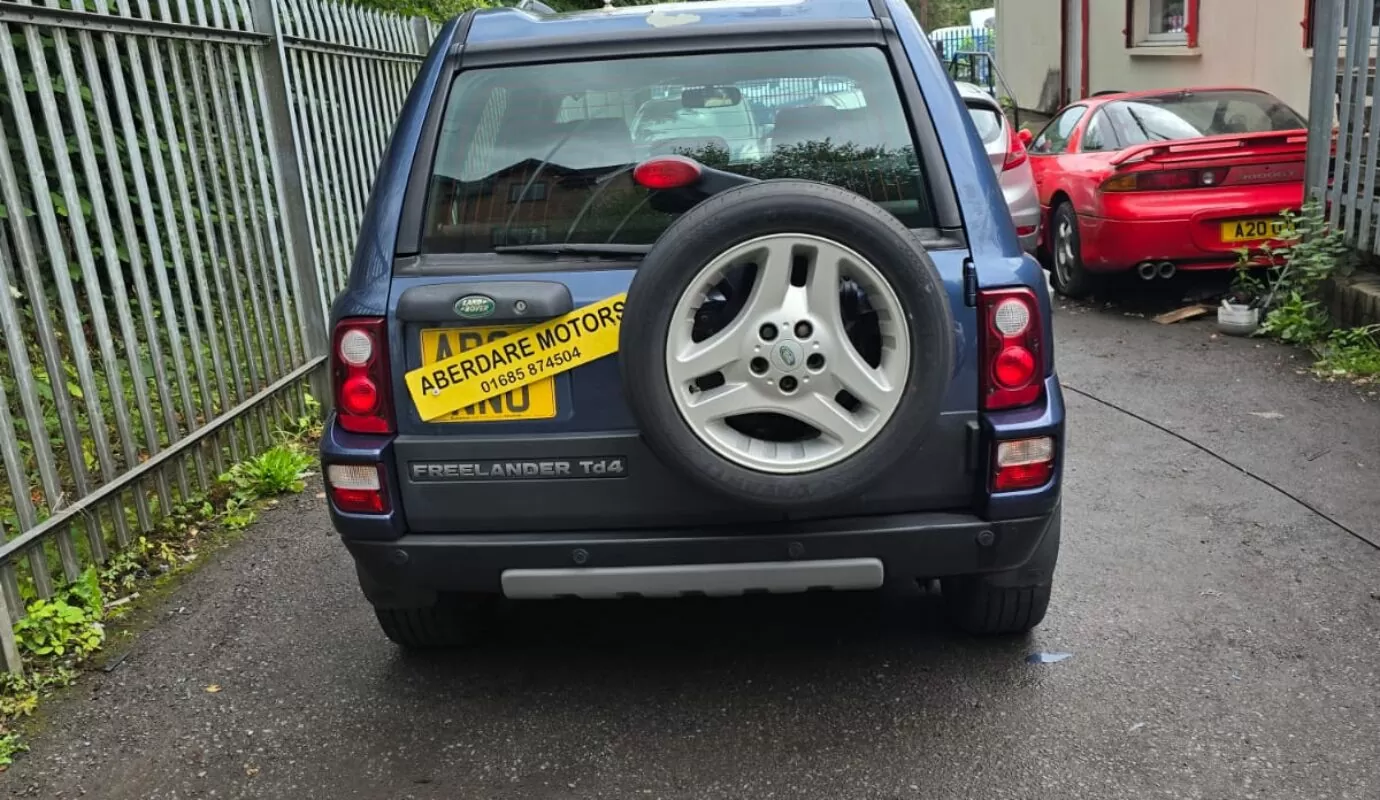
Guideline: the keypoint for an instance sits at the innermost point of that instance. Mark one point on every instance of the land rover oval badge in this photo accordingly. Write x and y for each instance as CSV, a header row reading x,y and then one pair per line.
x,y
787,356
474,306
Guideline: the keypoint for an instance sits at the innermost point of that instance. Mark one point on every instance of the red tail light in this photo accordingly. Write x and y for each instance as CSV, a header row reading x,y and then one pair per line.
x,y
1012,342
357,488
1016,154
359,374
666,172
1166,180
1023,464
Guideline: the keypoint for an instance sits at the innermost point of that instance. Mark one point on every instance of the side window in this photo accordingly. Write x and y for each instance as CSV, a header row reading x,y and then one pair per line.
x,y
1054,139
1099,136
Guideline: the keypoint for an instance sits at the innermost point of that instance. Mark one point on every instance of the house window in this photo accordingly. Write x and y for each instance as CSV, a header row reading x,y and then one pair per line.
x,y
1152,23
536,192
1168,21
1310,16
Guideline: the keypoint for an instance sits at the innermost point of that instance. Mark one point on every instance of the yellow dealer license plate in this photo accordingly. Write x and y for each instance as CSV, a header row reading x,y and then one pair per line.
x,y
482,378
533,401
1256,230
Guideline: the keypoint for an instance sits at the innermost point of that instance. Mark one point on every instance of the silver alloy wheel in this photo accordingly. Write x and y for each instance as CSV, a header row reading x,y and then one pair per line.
x,y
787,352
1063,250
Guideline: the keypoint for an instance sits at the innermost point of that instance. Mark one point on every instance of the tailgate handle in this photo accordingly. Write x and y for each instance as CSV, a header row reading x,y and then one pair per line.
x,y
494,301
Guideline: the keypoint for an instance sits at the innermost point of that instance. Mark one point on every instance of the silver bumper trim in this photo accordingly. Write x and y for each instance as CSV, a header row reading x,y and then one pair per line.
x,y
714,580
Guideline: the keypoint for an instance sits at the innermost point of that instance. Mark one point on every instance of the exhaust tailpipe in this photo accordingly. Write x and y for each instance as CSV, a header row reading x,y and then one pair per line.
x,y
1166,269
1147,271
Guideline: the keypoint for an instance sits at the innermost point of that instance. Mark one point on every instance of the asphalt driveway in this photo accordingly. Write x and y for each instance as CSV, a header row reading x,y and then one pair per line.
x,y
1220,606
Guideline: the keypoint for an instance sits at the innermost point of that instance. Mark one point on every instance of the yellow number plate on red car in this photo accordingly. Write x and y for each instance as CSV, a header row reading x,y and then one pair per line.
x,y
534,401
1257,230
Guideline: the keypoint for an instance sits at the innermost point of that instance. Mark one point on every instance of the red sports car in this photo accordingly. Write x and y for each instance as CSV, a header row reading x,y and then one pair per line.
x,y
1165,180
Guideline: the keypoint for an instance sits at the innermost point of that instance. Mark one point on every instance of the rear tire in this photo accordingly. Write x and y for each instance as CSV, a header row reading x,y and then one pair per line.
x,y
1006,603
1066,271
451,622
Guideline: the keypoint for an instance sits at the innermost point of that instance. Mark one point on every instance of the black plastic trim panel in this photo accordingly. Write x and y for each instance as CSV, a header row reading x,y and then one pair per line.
x,y
514,301
911,546
684,39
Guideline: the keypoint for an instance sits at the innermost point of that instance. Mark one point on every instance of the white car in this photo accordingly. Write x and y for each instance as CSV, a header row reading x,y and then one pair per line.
x,y
1009,159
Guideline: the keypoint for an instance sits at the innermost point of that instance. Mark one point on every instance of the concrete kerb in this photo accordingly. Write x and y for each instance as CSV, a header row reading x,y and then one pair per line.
x,y
1354,301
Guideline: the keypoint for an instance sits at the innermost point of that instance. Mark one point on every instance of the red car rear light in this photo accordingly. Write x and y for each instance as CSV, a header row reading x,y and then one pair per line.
x,y
359,375
1012,343
357,488
1016,154
1023,464
666,172
1166,180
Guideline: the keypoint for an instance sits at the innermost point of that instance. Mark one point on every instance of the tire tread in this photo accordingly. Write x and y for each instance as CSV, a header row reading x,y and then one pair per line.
x,y
431,627
983,610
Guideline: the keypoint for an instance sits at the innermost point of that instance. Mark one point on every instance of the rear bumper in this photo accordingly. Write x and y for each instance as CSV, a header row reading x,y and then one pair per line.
x,y
1181,227
840,553
402,567
1112,245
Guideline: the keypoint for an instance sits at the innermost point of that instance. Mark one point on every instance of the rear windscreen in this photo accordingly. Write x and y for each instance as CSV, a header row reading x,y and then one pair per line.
x,y
543,154
987,120
1196,114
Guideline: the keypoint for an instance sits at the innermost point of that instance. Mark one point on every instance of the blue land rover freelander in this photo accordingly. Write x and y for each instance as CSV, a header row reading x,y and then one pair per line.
x,y
697,299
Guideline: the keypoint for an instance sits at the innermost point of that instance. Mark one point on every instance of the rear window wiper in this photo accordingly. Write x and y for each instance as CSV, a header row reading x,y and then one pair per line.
x,y
577,249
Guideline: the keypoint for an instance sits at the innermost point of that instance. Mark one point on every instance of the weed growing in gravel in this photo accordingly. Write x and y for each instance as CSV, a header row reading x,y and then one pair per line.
x,y
67,626
281,470
55,637
1353,352
10,746
1290,298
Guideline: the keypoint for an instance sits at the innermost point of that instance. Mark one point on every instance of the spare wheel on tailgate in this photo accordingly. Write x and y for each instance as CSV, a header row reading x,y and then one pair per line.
x,y
786,343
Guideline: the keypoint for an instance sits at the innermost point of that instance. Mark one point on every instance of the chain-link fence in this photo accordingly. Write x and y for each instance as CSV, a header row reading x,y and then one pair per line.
x,y
181,186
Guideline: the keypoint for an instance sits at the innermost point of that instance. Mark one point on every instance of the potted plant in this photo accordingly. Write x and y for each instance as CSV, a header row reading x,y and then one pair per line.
x,y
1239,313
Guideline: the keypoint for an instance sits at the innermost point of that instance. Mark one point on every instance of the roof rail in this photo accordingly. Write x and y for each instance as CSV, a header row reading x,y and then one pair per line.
x,y
536,7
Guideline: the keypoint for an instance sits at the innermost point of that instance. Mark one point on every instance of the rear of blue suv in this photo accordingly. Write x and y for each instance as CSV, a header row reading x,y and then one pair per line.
x,y
698,299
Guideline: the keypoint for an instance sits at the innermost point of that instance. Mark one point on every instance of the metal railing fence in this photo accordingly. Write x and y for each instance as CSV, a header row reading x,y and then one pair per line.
x,y
968,55
1345,38
181,186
